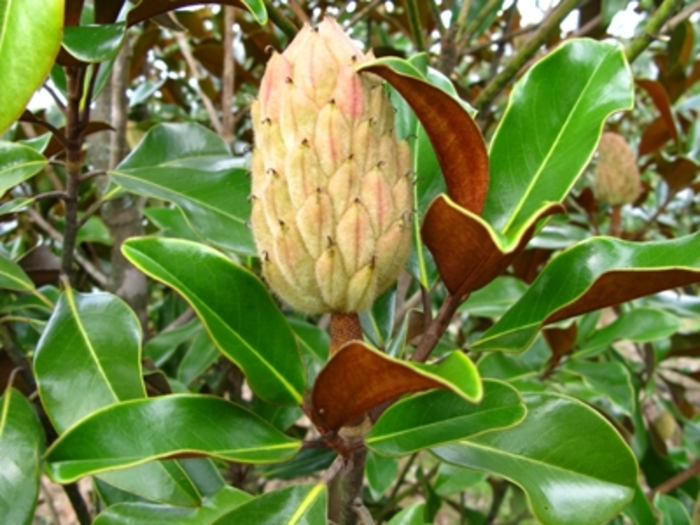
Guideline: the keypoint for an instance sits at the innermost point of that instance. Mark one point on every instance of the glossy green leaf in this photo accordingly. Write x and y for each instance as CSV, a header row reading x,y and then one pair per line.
x,y
233,304
638,325
18,162
309,462
94,43
639,510
381,473
441,416
314,344
671,511
411,515
23,67
192,167
161,348
572,464
452,480
163,482
172,222
22,442
611,379
15,205
91,345
199,357
550,129
594,274
177,425
211,509
13,277
494,299
295,505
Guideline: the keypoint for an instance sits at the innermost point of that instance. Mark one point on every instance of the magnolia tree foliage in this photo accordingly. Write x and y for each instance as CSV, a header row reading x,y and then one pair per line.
x,y
459,286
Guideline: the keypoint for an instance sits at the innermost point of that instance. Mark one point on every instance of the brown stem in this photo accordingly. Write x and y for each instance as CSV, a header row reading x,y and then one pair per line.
x,y
228,75
432,335
74,142
678,479
344,328
500,81
616,222
346,487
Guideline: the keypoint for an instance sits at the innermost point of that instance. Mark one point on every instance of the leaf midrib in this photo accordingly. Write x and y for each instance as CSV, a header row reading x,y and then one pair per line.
x,y
181,288
553,147
181,195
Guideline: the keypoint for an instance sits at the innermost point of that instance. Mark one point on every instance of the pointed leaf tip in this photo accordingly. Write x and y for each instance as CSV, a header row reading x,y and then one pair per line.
x,y
358,378
456,138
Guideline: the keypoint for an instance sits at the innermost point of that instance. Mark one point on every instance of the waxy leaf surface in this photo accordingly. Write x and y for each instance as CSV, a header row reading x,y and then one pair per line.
x,y
192,167
94,43
177,425
234,306
551,128
13,277
438,417
77,355
594,274
571,463
358,378
18,163
457,140
21,441
212,508
296,505
30,37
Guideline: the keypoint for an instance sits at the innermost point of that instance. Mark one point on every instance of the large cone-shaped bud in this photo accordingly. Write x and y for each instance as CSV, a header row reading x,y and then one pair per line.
x,y
616,180
332,192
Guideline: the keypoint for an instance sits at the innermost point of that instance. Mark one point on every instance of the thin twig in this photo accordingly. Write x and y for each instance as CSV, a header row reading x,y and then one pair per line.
x,y
680,17
435,11
549,25
500,40
91,175
364,11
50,195
677,480
228,75
432,335
288,27
414,23
55,97
652,29
195,75
91,270
651,220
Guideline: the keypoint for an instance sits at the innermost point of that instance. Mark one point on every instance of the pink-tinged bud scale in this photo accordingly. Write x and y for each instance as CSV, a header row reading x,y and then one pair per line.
x,y
332,192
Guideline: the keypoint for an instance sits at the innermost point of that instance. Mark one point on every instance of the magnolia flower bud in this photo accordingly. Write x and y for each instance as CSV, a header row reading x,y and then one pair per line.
x,y
332,193
616,178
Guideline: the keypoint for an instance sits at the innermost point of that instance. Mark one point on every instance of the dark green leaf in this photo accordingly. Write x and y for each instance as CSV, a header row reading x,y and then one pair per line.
x,y
177,425
441,416
233,304
551,128
192,167
21,441
211,509
295,505
381,473
94,43
12,276
591,275
91,345
18,162
570,461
